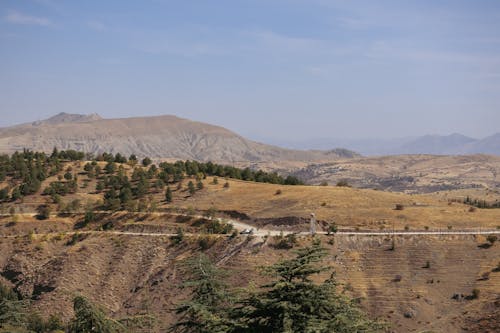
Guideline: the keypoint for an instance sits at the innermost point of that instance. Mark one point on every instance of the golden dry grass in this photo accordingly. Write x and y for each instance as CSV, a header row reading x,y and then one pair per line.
x,y
345,206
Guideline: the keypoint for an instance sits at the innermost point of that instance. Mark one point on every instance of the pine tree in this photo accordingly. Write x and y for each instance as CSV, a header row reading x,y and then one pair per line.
x,y
191,188
89,318
199,185
206,309
168,195
294,303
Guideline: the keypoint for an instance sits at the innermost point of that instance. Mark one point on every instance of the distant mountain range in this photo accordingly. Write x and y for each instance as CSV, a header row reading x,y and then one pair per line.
x,y
453,144
166,137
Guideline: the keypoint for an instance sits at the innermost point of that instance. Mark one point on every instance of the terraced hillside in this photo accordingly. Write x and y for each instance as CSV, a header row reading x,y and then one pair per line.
x,y
412,286
52,250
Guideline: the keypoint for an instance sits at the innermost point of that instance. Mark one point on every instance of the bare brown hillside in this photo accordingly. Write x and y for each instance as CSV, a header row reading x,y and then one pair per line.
x,y
415,283
409,173
156,137
413,287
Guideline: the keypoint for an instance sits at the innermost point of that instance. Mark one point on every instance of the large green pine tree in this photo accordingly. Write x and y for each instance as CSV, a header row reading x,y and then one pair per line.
x,y
89,318
293,303
205,311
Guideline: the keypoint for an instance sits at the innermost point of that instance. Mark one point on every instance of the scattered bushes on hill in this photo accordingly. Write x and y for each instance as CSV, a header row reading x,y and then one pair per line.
x,y
206,241
214,226
27,170
43,212
75,238
399,207
343,183
284,242
481,203
16,317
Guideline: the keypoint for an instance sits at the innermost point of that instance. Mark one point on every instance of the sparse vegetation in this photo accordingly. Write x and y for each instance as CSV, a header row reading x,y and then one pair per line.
x,y
492,239
179,237
332,228
191,188
75,238
207,308
43,212
293,303
399,207
168,195
481,203
284,242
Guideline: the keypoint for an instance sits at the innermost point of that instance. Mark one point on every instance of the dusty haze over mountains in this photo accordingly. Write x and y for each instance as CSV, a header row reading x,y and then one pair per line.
x,y
159,137
172,137
452,144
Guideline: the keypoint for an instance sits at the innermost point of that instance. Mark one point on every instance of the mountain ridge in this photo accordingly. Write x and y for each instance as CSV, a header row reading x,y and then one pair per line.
x,y
164,136
452,144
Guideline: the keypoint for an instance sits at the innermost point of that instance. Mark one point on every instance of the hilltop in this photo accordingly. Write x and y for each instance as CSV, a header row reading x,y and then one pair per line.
x,y
409,281
408,173
159,137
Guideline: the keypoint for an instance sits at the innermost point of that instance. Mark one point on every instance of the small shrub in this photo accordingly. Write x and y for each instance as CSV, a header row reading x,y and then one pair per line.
x,y
89,217
278,192
472,209
332,229
215,181
323,183
179,237
31,236
427,264
75,238
43,212
217,227
475,293
450,227
58,237
323,204
399,207
210,213
397,278
393,245
226,185
191,187
190,211
199,185
285,242
492,239
407,227
206,242
497,269
343,183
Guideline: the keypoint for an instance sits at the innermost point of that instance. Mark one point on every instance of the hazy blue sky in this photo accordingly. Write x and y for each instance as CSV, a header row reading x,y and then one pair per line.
x,y
266,69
